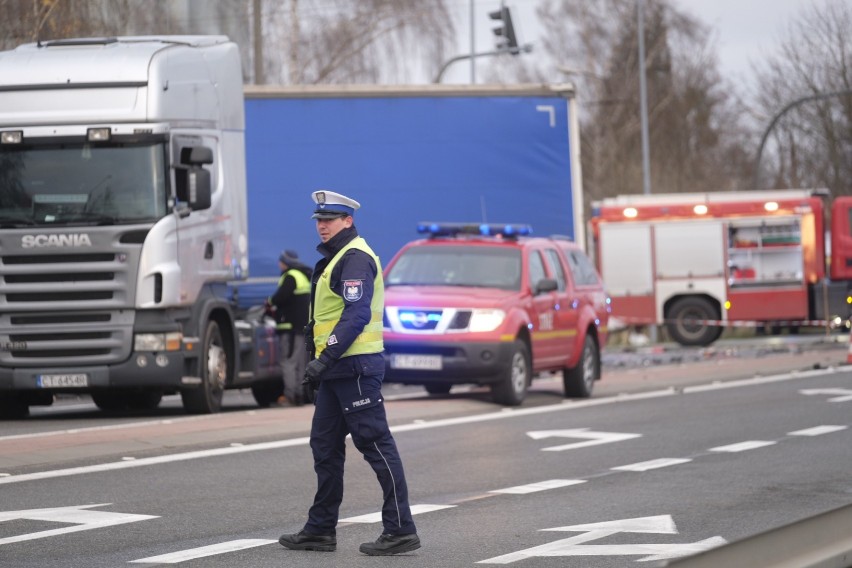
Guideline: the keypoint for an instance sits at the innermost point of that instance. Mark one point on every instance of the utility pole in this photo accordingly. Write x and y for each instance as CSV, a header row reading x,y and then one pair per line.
x,y
257,18
643,101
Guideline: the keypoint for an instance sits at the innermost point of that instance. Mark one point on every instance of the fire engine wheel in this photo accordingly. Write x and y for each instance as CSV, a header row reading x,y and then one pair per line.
x,y
213,368
579,381
688,317
511,389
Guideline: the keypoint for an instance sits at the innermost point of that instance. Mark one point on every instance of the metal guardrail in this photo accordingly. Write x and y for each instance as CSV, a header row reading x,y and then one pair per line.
x,y
822,541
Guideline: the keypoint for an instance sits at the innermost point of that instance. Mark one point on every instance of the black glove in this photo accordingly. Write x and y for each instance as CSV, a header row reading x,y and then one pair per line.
x,y
313,377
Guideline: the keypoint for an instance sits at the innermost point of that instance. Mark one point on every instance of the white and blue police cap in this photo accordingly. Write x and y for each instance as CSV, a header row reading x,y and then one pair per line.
x,y
331,205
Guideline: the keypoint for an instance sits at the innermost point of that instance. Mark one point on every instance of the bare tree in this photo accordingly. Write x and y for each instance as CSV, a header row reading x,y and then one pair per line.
x,y
369,41
811,144
696,138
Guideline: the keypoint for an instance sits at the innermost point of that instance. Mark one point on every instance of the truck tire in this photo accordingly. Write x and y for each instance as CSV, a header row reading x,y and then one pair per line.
x,y
438,388
213,368
13,407
111,400
684,328
579,381
511,389
267,391
144,399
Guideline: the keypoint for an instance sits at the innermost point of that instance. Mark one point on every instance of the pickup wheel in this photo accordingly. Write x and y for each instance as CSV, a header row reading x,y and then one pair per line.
x,y
579,381
207,398
438,388
511,390
688,325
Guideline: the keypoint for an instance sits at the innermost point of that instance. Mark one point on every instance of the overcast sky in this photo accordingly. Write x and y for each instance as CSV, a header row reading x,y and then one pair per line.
x,y
745,30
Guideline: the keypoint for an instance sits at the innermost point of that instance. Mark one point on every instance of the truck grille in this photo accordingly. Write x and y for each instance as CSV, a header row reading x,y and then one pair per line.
x,y
66,309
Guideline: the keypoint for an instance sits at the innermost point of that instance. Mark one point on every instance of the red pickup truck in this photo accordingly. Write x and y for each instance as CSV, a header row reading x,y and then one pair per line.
x,y
486,304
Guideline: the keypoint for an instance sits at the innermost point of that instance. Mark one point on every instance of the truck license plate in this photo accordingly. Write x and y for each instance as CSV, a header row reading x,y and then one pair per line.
x,y
418,362
69,380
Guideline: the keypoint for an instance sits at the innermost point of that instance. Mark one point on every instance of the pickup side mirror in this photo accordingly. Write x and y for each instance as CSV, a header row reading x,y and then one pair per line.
x,y
546,285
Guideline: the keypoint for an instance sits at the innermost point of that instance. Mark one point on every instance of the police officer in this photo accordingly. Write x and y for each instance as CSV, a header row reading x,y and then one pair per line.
x,y
291,302
347,300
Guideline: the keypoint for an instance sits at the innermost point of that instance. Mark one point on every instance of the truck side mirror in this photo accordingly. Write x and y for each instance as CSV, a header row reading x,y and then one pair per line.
x,y
546,285
192,181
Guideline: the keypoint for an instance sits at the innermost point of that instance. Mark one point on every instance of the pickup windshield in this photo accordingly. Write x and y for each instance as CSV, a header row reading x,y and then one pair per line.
x,y
82,184
464,266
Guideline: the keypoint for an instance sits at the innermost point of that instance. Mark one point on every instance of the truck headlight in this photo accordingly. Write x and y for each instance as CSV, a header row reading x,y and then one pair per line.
x,y
486,320
157,341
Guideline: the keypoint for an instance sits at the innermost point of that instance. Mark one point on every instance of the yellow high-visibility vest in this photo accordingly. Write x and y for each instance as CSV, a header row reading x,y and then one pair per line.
x,y
328,306
303,286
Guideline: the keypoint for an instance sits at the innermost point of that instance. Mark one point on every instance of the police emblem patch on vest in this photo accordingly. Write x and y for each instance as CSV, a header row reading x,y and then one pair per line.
x,y
353,290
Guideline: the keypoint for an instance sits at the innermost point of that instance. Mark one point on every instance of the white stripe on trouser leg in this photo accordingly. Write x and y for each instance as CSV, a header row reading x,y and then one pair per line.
x,y
393,484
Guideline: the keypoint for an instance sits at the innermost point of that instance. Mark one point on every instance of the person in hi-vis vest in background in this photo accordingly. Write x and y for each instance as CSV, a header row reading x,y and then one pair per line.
x,y
345,376
290,305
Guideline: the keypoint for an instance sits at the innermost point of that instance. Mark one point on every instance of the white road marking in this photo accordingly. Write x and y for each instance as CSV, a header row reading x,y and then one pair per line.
x,y
844,395
539,486
817,431
78,516
377,517
592,438
652,464
743,446
562,406
201,552
575,546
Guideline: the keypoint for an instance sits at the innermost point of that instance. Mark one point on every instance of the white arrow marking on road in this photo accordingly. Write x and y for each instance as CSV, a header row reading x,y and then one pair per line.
x,y
213,549
78,516
844,395
575,546
593,438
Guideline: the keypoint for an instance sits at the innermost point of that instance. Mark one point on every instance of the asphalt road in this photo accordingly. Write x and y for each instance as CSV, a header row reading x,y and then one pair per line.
x,y
640,472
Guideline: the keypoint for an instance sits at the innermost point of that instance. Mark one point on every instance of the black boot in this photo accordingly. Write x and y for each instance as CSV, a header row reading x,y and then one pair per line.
x,y
388,544
307,541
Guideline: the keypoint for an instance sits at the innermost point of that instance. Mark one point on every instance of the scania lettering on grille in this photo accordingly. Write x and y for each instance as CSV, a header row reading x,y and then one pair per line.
x,y
56,240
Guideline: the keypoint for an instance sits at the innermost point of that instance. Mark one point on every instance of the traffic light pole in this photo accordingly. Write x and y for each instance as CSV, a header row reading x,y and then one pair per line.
x,y
513,51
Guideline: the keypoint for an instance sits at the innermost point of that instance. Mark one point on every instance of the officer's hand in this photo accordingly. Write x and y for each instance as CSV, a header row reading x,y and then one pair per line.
x,y
311,382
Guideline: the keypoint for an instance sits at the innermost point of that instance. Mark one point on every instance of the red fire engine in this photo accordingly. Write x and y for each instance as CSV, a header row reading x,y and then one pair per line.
x,y
698,262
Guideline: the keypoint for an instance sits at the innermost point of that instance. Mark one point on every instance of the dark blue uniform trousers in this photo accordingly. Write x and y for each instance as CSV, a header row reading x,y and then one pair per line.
x,y
355,406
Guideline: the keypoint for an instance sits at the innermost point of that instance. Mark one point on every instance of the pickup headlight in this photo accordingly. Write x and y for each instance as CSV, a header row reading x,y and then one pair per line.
x,y
486,320
157,341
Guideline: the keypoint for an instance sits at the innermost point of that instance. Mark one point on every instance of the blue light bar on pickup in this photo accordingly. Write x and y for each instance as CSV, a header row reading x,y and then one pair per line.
x,y
512,230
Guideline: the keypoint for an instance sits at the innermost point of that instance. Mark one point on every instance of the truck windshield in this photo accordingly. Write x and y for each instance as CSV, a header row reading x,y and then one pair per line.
x,y
72,184
468,266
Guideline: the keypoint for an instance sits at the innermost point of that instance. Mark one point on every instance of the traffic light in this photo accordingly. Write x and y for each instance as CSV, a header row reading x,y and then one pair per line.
x,y
505,33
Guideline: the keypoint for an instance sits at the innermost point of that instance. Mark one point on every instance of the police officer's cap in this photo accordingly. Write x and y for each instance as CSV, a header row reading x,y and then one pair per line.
x,y
330,205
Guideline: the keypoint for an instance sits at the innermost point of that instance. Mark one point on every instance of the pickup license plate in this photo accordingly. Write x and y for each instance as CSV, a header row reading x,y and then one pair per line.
x,y
57,381
417,362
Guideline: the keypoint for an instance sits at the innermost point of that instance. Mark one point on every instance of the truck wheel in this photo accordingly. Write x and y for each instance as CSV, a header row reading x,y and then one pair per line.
x,y
511,389
438,388
13,406
144,399
267,392
579,381
112,400
689,327
207,398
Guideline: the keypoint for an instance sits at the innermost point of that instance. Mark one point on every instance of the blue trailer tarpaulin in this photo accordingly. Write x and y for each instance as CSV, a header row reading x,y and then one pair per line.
x,y
406,159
